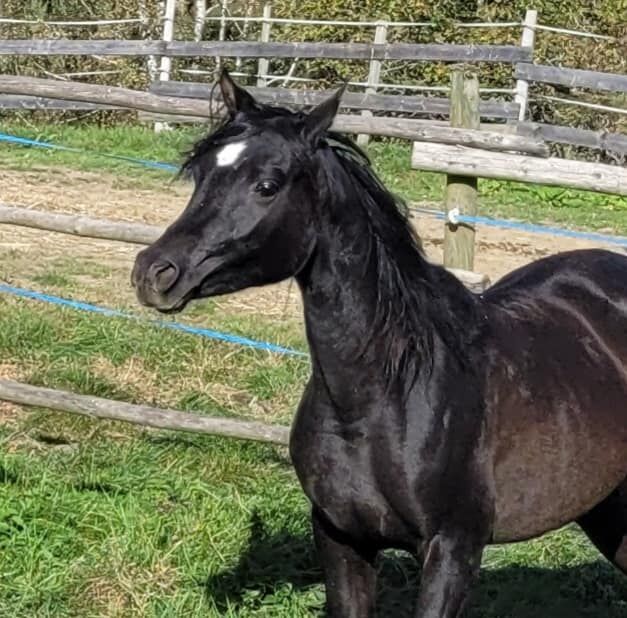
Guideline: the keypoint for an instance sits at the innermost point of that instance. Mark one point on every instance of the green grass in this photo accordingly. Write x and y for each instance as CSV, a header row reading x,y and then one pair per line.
x,y
534,203
174,526
64,348
102,519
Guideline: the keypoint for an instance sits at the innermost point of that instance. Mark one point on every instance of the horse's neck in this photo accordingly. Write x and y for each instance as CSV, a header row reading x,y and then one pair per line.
x,y
340,290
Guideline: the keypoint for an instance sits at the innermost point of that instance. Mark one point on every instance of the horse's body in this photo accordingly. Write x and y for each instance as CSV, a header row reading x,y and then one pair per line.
x,y
557,390
435,420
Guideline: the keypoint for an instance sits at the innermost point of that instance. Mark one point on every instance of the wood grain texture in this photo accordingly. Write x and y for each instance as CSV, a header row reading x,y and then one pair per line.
x,y
97,407
461,191
608,141
149,102
80,225
256,49
572,78
504,166
409,104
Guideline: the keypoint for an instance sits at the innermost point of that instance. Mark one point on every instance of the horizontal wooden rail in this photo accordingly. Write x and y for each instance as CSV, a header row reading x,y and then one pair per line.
x,y
80,225
107,95
572,78
16,101
463,161
410,123
615,143
146,101
412,104
425,131
97,407
254,49
137,233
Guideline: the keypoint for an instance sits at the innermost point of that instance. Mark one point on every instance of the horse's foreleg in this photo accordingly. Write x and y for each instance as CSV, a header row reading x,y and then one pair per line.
x,y
349,573
451,565
606,526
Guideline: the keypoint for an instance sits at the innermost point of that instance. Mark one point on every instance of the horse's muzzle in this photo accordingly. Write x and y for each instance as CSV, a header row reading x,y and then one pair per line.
x,y
154,280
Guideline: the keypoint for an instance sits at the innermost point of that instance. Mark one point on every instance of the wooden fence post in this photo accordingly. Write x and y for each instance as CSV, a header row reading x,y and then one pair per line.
x,y
221,36
264,63
374,72
200,13
528,40
166,61
461,191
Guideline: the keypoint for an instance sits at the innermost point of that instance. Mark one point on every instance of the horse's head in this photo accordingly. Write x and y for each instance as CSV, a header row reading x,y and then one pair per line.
x,y
250,219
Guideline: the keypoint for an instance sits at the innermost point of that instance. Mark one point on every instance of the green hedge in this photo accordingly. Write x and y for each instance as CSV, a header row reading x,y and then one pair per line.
x,y
601,16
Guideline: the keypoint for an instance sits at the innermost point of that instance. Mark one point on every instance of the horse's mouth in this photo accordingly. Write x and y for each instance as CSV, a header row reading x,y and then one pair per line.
x,y
173,309
166,308
177,299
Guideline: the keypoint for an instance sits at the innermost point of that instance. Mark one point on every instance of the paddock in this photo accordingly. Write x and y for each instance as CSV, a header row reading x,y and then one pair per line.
x,y
151,516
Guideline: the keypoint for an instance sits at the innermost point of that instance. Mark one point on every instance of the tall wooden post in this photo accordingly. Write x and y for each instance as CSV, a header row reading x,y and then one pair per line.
x,y
528,40
461,191
263,67
166,62
374,73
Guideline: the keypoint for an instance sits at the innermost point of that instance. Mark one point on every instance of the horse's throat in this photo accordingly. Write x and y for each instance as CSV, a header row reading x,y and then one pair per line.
x,y
341,302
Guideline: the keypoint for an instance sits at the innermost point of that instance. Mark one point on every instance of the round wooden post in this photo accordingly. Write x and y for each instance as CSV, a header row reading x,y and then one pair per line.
x,y
461,191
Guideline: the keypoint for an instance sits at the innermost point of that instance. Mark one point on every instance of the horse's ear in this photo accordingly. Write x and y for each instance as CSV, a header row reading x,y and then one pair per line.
x,y
235,99
320,118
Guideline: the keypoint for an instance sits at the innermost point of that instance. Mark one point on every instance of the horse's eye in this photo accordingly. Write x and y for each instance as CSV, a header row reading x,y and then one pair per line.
x,y
267,188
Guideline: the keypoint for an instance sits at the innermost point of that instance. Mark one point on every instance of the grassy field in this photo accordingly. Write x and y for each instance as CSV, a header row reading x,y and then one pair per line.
x,y
99,519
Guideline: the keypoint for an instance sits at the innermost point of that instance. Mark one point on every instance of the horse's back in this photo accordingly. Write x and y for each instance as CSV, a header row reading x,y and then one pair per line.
x,y
606,268
580,292
556,362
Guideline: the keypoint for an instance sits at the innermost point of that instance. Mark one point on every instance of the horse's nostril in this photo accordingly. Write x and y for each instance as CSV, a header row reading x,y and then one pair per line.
x,y
164,275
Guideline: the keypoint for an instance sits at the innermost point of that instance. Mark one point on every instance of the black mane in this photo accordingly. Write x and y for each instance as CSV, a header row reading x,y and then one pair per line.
x,y
417,301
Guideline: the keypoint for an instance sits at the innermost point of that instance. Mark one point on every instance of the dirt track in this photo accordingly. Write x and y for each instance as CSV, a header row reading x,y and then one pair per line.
x,y
110,196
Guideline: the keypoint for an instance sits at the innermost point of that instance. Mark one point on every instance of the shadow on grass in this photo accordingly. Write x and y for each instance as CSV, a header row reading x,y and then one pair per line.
x,y
592,590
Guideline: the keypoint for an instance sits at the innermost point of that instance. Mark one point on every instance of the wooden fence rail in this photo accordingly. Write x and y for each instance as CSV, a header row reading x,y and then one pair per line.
x,y
352,100
147,416
21,102
80,225
146,101
252,49
571,78
612,143
463,161
108,95
137,233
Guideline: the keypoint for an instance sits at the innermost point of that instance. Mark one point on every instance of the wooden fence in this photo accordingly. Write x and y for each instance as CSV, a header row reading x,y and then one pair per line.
x,y
413,130
515,150
371,52
147,416
437,52
525,73
95,407
580,175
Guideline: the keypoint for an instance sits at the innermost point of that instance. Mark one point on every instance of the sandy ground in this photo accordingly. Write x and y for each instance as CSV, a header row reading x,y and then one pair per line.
x,y
109,196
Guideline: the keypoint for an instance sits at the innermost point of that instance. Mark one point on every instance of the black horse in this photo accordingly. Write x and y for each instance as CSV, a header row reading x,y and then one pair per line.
x,y
435,420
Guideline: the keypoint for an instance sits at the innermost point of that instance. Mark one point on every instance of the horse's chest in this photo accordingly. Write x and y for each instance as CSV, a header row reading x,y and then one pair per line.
x,y
343,481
